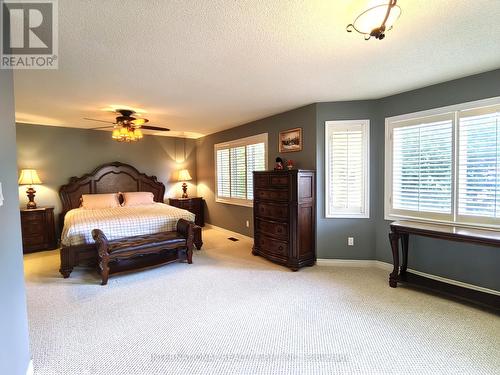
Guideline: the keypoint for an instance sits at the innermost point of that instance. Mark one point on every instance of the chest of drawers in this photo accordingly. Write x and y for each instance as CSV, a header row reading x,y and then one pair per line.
x,y
38,229
285,217
194,205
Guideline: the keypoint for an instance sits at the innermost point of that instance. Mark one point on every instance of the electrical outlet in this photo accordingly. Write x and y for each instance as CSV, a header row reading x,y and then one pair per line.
x,y
248,224
350,241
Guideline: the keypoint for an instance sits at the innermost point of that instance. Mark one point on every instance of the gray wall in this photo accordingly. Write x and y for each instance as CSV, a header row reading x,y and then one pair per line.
x,y
332,233
60,153
14,348
468,263
477,265
233,217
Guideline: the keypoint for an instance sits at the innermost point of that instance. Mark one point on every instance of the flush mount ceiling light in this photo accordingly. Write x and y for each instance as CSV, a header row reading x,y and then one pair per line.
x,y
375,21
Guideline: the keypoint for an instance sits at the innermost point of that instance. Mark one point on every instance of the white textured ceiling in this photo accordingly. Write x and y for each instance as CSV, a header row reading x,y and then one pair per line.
x,y
201,66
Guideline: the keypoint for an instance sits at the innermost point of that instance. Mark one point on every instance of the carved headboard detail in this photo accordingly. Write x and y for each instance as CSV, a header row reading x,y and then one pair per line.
x,y
108,178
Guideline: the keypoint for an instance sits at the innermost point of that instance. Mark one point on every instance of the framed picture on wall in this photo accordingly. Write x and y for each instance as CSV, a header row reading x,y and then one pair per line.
x,y
290,140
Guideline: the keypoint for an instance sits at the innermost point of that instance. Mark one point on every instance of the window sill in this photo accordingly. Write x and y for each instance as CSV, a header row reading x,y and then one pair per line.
x,y
392,217
235,202
348,216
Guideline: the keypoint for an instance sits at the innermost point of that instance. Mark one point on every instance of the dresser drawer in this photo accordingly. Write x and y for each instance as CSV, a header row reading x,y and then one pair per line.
x,y
272,228
279,180
279,195
272,246
34,240
261,180
272,211
33,217
33,228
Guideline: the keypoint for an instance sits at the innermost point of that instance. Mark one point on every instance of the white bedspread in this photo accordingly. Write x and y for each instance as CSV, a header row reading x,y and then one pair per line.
x,y
120,222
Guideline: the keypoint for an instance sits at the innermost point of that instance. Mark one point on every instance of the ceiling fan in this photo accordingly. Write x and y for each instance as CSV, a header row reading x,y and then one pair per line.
x,y
127,127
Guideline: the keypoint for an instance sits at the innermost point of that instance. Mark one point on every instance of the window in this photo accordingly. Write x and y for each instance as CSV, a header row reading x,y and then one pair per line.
x,y
235,162
444,165
347,169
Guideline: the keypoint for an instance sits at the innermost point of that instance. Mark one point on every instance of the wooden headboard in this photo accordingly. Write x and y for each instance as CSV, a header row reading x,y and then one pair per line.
x,y
108,178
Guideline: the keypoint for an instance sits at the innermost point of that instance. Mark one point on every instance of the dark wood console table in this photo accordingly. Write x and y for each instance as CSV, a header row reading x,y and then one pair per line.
x,y
400,232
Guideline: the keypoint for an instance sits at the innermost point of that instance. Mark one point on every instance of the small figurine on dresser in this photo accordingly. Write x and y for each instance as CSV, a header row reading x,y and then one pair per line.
x,y
279,164
289,164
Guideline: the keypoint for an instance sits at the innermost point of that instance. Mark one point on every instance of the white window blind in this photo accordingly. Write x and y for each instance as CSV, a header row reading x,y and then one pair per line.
x,y
347,177
235,163
422,166
256,161
443,165
479,167
223,176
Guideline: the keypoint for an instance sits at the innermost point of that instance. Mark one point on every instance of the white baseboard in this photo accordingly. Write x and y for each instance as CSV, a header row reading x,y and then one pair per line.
x,y
388,267
346,262
228,232
30,370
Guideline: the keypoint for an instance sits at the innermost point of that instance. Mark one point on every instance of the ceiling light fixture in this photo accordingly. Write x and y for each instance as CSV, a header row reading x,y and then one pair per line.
x,y
128,128
375,21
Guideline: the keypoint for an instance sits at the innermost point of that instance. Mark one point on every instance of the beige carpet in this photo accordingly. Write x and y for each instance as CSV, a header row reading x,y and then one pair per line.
x,y
232,313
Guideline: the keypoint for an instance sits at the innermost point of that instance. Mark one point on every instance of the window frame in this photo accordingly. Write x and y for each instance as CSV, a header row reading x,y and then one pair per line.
x,y
454,218
365,124
254,139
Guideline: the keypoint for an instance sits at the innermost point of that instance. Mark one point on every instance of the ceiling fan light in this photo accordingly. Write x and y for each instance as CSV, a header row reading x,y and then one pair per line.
x,y
139,121
138,133
123,131
116,133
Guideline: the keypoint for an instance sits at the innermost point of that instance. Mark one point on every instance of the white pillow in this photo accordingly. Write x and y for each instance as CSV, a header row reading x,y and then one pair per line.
x,y
96,201
138,198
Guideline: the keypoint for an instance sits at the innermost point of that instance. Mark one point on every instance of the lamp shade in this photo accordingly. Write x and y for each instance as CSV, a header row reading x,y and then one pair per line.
x,y
29,177
184,175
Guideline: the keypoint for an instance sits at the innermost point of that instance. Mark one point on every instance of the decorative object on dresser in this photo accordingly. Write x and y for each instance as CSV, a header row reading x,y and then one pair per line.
x,y
196,205
38,229
284,217
183,177
108,178
30,177
290,140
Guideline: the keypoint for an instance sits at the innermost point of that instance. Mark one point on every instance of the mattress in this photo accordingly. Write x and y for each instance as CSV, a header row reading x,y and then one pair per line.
x,y
120,222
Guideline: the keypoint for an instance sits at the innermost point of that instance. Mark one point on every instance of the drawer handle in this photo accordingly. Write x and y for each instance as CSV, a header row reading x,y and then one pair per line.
x,y
280,248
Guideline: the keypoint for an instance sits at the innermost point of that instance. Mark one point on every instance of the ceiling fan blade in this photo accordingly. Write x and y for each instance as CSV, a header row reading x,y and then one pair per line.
x,y
155,128
103,127
94,119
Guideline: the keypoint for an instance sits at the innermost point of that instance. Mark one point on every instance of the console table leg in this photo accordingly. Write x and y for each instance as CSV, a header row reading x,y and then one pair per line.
x,y
393,277
404,252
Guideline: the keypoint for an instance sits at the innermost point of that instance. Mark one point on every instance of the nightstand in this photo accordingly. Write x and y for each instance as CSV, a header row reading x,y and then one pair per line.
x,y
194,205
38,229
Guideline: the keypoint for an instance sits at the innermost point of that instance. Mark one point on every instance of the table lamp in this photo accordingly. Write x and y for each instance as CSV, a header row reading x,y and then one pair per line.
x,y
30,177
184,176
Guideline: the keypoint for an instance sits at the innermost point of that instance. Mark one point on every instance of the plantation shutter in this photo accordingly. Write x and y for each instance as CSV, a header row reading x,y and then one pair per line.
x,y
347,169
422,166
236,162
223,176
478,165
238,173
256,161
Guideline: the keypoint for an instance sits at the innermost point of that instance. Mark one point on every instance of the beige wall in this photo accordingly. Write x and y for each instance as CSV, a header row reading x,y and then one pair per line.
x,y
59,153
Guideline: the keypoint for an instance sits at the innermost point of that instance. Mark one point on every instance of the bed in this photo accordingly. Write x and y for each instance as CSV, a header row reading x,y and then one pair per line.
x,y
77,245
